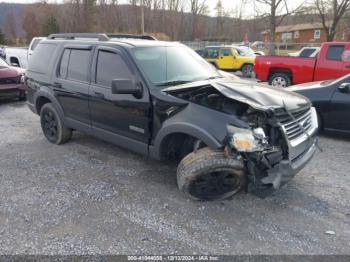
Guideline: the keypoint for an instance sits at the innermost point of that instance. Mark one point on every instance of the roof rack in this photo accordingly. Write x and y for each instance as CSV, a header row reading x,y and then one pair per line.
x,y
100,37
131,36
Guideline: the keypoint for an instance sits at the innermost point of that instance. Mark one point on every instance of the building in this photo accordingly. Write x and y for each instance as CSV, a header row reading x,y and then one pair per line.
x,y
303,33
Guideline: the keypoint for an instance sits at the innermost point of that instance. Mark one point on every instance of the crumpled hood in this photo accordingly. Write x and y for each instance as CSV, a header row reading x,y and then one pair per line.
x,y
256,95
10,71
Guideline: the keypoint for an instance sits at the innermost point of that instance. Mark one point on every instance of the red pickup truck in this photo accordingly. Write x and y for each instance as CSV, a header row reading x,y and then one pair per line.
x,y
332,61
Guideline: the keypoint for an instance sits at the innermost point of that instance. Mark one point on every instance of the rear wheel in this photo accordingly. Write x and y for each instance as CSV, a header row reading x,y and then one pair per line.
x,y
247,70
280,80
52,125
210,175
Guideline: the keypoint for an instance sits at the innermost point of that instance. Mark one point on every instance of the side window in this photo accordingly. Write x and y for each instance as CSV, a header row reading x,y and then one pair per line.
x,y
110,66
307,52
35,43
226,52
42,57
335,52
78,66
64,63
14,60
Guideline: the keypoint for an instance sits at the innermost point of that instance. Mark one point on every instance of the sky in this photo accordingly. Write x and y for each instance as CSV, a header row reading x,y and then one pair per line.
x,y
231,6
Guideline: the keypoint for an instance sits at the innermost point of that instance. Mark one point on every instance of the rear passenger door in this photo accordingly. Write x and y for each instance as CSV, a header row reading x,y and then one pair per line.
x,y
119,118
71,84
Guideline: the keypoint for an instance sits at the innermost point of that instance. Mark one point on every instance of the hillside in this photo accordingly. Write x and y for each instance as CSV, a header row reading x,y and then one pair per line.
x,y
17,10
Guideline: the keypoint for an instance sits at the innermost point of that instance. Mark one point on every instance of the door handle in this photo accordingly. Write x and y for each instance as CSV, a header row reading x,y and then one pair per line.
x,y
99,95
57,85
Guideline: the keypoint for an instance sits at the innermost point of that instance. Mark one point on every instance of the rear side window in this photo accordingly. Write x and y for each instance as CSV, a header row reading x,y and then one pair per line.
x,y
226,52
78,65
110,66
34,44
335,52
306,52
42,58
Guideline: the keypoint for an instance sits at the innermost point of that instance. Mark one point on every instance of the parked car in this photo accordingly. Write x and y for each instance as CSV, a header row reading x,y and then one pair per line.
x,y
306,52
35,41
258,45
17,56
332,62
163,100
332,101
230,58
11,81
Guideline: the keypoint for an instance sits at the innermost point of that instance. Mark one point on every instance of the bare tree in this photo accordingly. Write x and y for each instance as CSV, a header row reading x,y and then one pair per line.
x,y
30,24
278,10
330,13
10,27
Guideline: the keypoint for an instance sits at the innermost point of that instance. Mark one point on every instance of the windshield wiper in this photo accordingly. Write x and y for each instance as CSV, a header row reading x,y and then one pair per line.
x,y
173,83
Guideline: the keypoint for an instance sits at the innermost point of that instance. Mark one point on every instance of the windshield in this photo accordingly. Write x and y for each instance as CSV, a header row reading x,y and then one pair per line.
x,y
3,63
174,65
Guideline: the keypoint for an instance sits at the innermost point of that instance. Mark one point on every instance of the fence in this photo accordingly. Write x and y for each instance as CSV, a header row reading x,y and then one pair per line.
x,y
281,48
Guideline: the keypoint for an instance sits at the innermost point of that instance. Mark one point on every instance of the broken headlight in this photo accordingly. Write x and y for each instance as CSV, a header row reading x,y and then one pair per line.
x,y
246,140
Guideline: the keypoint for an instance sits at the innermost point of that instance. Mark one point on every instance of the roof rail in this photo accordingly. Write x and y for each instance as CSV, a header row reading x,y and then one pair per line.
x,y
131,36
100,37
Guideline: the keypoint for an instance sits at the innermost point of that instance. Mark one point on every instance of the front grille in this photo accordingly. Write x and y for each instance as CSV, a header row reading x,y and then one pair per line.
x,y
9,80
297,126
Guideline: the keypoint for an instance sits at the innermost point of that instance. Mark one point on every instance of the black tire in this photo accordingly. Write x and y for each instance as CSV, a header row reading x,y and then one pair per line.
x,y
209,175
247,70
280,80
52,125
22,95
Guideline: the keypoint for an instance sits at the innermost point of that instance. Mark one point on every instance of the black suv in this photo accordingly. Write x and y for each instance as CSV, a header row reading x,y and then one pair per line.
x,y
163,100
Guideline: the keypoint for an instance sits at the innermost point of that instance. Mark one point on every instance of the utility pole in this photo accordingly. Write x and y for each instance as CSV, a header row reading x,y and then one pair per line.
x,y
142,18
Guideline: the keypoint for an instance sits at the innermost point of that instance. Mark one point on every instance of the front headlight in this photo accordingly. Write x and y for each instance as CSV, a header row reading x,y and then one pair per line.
x,y
245,140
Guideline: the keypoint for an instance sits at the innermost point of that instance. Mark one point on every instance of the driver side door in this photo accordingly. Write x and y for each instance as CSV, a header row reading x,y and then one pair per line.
x,y
121,119
225,60
339,113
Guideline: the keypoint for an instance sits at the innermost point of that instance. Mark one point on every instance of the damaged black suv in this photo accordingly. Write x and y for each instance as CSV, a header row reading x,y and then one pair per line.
x,y
163,100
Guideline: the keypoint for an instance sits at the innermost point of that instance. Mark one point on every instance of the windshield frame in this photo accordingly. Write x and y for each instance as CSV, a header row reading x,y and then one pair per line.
x,y
173,82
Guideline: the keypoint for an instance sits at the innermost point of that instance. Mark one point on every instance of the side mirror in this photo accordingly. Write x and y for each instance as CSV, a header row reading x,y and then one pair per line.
x,y
344,88
126,87
234,57
15,64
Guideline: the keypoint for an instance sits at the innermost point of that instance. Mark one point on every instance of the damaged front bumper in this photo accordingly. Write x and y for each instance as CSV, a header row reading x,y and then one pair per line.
x,y
281,173
286,170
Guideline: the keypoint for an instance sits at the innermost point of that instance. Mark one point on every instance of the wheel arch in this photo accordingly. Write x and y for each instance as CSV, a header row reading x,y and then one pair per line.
x,y
276,70
184,129
42,97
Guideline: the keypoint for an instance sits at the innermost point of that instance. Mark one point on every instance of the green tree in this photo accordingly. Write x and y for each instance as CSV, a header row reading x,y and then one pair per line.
x,y
51,26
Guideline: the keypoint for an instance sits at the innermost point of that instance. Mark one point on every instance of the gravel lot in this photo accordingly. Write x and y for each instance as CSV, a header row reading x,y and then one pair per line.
x,y
88,196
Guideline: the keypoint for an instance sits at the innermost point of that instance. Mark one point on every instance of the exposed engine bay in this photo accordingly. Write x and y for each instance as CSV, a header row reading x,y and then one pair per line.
x,y
210,97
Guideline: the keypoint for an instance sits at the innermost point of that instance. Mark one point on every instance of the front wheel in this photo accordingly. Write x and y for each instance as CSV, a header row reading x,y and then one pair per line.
x,y
210,175
280,80
52,125
247,70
